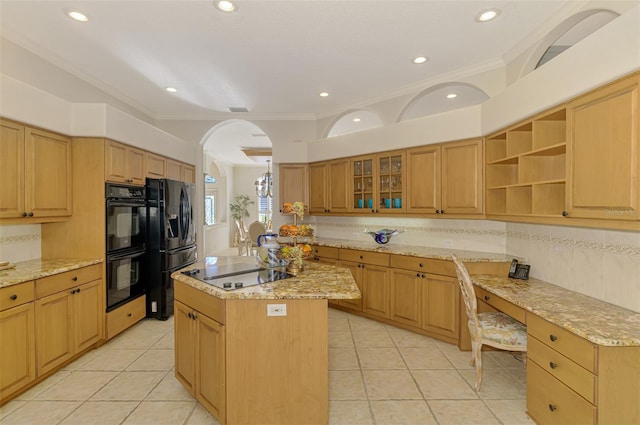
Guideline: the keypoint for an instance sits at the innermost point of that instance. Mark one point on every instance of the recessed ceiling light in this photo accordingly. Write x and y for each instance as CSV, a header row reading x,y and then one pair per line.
x,y
226,6
77,15
452,96
171,89
356,120
420,59
487,15
324,94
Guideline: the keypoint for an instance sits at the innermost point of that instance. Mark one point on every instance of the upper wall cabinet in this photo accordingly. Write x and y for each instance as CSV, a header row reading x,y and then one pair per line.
x,y
124,164
329,186
293,183
525,171
377,183
446,178
35,170
155,166
179,171
604,152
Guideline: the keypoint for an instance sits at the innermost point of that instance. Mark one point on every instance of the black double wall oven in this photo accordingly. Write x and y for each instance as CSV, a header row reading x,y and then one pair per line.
x,y
125,243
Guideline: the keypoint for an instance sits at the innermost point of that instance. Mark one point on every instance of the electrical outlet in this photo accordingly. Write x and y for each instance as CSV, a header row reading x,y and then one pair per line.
x,y
276,309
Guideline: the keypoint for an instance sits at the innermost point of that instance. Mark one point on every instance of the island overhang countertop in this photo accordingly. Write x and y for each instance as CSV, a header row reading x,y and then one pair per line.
x,y
317,281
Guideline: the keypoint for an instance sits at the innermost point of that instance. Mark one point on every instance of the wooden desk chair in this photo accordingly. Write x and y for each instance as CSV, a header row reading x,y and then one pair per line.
x,y
244,243
494,329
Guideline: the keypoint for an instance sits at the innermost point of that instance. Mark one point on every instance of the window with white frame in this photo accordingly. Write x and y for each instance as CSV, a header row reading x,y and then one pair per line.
x,y
210,215
265,208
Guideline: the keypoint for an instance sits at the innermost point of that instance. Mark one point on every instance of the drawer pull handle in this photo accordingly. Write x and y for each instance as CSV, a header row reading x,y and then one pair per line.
x,y
553,338
552,407
553,365
129,315
13,297
487,297
75,278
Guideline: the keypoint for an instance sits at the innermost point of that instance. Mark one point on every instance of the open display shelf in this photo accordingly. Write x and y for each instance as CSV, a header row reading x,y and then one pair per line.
x,y
526,167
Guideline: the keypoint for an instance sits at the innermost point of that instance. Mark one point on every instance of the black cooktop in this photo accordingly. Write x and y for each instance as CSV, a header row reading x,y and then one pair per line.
x,y
236,276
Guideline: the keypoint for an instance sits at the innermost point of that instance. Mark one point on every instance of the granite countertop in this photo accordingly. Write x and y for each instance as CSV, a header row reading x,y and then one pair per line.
x,y
317,281
415,251
39,268
597,321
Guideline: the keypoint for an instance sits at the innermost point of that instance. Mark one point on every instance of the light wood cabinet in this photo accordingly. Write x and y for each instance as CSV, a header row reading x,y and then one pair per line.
x,y
35,168
69,319
124,317
176,170
377,183
441,306
200,358
17,332
526,167
406,297
446,178
329,187
155,166
293,183
573,381
604,152
124,164
371,274
188,173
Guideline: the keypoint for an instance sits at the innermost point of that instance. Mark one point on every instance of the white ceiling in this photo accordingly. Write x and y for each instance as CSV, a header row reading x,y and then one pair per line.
x,y
272,57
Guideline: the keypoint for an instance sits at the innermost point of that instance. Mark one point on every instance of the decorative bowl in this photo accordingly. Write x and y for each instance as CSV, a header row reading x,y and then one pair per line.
x,y
382,236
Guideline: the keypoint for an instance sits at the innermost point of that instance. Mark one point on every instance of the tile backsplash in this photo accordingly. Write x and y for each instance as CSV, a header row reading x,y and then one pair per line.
x,y
603,264
19,242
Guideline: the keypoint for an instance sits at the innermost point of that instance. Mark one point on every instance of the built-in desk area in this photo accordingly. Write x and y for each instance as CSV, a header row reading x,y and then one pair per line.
x,y
583,355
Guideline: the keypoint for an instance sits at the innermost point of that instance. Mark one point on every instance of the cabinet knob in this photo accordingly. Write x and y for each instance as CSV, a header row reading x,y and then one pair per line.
x,y
417,274
73,291
13,297
189,315
78,290
553,365
422,275
75,278
373,211
487,297
565,213
441,211
421,265
437,211
194,316
31,214
129,315
24,214
552,407
553,338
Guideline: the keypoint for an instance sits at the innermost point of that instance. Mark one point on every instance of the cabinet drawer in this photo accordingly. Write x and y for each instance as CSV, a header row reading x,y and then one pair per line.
x,y
574,376
366,257
551,402
206,304
325,252
501,304
126,316
416,264
566,343
15,295
62,281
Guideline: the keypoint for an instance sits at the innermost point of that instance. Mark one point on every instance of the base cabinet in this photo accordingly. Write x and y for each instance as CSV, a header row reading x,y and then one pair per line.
x,y
573,381
440,301
17,352
199,358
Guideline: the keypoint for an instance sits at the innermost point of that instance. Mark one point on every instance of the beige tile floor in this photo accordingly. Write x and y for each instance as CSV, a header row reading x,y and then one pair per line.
x,y
378,374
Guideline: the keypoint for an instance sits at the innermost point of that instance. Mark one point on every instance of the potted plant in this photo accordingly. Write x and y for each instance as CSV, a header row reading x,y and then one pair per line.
x,y
239,210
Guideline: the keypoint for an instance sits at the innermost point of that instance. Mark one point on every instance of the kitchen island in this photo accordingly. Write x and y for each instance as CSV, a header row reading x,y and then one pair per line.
x,y
258,355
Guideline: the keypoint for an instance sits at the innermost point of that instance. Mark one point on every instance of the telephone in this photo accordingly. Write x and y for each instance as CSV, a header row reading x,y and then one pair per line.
x,y
519,271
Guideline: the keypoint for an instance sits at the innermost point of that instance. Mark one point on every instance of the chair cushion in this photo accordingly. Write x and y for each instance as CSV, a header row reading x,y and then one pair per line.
x,y
502,329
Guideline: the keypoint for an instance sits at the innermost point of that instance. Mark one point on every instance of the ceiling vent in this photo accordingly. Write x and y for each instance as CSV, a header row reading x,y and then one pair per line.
x,y
237,109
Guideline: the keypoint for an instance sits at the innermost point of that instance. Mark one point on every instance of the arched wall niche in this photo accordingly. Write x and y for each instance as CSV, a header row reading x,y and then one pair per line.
x,y
566,34
352,121
442,97
225,140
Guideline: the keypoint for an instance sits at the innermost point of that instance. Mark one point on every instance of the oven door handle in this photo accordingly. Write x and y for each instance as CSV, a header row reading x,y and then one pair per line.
x,y
125,256
132,203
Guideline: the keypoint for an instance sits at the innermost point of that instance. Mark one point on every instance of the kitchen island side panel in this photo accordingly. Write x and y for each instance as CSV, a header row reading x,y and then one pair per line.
x,y
277,366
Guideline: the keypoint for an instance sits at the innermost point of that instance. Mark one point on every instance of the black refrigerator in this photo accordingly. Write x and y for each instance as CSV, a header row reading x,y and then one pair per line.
x,y
171,240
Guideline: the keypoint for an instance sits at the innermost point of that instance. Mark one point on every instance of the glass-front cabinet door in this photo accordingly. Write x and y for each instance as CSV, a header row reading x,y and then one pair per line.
x,y
390,188
362,173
